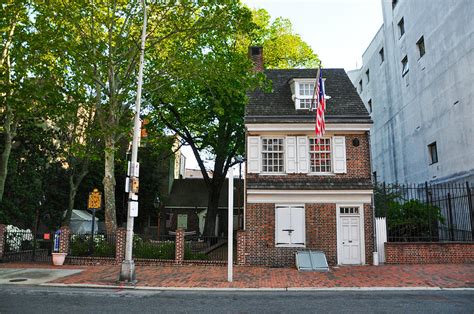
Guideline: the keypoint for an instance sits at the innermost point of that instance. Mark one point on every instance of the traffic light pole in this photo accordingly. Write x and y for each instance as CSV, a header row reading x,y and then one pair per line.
x,y
127,272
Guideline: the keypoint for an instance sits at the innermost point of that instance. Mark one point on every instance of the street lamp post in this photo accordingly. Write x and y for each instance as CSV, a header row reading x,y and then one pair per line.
x,y
157,206
127,272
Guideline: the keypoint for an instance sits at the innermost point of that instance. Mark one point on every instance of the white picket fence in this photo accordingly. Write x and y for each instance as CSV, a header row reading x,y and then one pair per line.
x,y
381,236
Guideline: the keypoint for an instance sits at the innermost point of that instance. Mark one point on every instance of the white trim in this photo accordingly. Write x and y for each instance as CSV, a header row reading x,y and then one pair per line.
x,y
315,198
361,230
311,192
289,127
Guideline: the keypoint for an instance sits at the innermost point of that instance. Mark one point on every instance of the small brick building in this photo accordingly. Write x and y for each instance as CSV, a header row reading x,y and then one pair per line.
x,y
300,193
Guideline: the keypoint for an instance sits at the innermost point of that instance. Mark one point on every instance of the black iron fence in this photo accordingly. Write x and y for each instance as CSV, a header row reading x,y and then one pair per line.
x,y
426,212
97,245
205,248
26,246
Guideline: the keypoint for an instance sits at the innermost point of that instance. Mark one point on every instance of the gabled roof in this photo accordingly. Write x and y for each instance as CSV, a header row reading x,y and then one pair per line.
x,y
344,106
192,192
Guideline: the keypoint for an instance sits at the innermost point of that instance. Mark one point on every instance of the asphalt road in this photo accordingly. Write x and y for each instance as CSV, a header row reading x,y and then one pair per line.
x,y
26,299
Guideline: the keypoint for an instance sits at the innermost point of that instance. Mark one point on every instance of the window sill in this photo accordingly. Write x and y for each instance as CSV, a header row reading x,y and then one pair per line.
x,y
273,173
290,245
322,174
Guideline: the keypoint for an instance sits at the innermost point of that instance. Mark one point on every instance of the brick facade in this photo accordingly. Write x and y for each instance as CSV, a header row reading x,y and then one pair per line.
x,y
429,252
357,164
241,244
321,234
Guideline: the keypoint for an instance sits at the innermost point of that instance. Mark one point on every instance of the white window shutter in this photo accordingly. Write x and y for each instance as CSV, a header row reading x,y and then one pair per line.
x,y
253,154
282,225
339,154
303,155
290,154
298,225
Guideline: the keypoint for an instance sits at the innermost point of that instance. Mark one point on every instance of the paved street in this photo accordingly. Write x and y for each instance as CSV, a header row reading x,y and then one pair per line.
x,y
24,299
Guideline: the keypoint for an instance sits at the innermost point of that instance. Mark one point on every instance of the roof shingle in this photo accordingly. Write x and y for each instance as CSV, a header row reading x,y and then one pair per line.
x,y
344,106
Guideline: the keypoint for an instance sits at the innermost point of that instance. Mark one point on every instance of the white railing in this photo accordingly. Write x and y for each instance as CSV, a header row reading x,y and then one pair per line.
x,y
381,236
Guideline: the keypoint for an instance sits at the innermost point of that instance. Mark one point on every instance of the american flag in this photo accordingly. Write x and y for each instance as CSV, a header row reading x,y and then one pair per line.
x,y
320,101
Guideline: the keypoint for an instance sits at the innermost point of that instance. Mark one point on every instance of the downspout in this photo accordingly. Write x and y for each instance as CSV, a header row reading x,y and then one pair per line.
x,y
375,258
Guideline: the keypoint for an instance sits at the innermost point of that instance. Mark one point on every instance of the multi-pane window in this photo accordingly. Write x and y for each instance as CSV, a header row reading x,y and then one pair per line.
x,y
306,91
401,27
349,210
272,155
421,46
320,155
405,66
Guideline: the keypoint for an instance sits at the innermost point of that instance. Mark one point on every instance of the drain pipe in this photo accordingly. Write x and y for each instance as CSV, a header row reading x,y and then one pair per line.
x,y
375,257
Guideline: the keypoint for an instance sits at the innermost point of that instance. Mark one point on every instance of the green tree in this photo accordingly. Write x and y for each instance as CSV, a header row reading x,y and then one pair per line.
x,y
203,94
103,42
283,48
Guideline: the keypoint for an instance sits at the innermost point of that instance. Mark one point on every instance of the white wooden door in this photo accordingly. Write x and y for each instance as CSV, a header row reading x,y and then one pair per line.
x,y
350,239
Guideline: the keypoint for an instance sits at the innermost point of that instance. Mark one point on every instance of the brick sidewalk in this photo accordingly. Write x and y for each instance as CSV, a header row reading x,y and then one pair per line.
x,y
445,276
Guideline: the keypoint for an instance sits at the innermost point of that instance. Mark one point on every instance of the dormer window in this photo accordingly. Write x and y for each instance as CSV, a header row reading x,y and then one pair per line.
x,y
302,91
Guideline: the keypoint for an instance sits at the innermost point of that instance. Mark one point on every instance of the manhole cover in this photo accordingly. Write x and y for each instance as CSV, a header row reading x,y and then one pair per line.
x,y
18,280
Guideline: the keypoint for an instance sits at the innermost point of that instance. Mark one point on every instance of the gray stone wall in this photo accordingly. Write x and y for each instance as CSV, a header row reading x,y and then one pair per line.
x,y
432,102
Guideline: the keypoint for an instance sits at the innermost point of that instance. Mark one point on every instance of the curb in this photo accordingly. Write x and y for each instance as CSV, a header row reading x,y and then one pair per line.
x,y
287,289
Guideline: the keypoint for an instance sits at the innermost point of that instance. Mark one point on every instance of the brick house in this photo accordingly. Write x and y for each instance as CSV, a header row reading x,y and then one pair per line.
x,y
299,194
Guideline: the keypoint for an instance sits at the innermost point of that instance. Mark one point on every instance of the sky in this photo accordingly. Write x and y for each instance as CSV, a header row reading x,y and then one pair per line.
x,y
339,31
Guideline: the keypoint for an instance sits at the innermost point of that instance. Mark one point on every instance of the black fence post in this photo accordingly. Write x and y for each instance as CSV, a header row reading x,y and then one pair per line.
x,y
471,210
428,207
450,218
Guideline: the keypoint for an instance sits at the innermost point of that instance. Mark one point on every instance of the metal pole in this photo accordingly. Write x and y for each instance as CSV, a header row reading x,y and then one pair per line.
x,y
230,227
127,272
91,244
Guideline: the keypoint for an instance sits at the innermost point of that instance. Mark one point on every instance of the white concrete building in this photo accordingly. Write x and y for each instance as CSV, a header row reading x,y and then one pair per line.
x,y
417,82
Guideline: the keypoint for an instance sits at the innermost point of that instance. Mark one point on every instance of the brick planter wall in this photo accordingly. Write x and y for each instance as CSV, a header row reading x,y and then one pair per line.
x,y
321,234
120,238
179,253
89,261
429,252
64,239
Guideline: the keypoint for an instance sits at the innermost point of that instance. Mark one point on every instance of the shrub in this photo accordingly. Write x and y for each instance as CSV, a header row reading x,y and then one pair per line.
x,y
153,250
80,245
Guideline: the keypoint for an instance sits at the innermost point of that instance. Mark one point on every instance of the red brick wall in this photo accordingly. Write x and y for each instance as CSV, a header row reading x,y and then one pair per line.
x,y
321,234
358,167
429,252
179,247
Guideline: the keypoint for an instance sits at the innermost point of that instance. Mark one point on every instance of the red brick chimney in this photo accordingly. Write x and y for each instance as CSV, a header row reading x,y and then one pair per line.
x,y
256,55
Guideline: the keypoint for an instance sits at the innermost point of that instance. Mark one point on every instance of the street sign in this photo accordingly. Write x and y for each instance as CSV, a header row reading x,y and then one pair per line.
x,y
95,200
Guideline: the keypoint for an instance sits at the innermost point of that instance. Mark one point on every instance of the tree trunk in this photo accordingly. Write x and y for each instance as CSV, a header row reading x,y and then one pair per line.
x,y
109,185
73,186
9,133
72,196
212,210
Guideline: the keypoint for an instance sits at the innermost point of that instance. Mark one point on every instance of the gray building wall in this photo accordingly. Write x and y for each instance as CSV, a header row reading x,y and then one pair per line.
x,y
432,102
